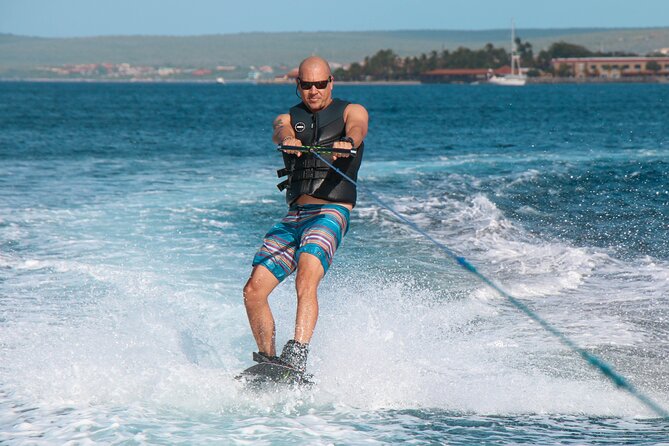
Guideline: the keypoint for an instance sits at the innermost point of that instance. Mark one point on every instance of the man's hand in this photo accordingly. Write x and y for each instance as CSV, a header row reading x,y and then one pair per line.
x,y
283,134
291,141
341,145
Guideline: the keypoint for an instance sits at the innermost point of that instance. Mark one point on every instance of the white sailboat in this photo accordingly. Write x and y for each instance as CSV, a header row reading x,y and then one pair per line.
x,y
516,78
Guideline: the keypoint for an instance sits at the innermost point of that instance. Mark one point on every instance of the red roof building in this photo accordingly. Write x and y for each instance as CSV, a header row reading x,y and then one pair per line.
x,y
202,72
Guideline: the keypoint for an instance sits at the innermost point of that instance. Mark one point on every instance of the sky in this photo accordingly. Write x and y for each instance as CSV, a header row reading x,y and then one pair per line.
x,y
77,18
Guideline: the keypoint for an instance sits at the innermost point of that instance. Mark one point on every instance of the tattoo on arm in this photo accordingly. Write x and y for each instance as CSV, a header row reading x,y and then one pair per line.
x,y
282,128
278,124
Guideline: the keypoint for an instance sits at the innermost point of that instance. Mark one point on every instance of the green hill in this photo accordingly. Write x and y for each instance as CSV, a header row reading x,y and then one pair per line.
x,y
22,54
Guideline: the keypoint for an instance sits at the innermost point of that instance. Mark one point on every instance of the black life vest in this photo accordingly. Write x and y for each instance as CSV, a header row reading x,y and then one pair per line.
x,y
309,175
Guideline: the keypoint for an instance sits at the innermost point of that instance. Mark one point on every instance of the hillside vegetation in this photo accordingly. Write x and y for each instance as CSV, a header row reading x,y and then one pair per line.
x,y
287,49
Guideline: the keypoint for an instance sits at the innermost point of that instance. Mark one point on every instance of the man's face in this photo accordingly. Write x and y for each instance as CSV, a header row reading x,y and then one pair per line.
x,y
315,98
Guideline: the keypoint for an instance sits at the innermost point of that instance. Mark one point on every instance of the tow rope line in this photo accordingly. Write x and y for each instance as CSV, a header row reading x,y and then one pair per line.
x,y
602,366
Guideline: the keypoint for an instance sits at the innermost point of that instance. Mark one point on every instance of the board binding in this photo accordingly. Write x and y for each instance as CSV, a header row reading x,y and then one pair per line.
x,y
273,373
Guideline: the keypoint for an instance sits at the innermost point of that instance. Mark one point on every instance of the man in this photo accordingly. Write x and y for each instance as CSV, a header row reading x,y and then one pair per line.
x,y
320,201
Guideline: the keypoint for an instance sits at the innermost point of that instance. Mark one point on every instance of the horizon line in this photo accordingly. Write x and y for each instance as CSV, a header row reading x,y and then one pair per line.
x,y
590,28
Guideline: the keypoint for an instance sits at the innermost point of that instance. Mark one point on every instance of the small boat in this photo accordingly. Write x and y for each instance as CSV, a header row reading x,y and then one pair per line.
x,y
516,78
220,80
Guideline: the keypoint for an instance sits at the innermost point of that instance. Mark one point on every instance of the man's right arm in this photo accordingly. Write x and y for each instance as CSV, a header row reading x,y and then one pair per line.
x,y
284,133
283,130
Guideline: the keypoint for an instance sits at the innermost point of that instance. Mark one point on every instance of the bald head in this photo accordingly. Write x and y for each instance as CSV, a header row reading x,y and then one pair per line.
x,y
314,65
314,83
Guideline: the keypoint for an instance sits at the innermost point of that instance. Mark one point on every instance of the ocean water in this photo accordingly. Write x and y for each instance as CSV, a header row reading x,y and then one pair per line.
x,y
129,215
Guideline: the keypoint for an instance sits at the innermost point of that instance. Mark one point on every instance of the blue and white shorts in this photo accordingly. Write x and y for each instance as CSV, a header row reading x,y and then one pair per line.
x,y
314,228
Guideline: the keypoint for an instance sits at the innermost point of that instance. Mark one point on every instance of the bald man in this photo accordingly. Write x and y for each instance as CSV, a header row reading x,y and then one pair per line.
x,y
320,201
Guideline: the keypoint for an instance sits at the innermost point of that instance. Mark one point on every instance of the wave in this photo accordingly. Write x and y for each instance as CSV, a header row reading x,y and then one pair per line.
x,y
596,299
138,323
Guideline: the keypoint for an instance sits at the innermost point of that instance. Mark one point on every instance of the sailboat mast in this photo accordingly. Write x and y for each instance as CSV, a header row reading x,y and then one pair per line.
x,y
515,78
515,58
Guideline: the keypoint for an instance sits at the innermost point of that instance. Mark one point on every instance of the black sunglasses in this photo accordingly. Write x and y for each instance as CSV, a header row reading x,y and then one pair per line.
x,y
305,85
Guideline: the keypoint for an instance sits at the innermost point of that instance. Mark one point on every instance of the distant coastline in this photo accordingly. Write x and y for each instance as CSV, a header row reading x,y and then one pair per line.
x,y
530,81
193,81
267,55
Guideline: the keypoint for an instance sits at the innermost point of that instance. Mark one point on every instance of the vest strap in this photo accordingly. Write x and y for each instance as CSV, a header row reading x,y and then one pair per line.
x,y
312,173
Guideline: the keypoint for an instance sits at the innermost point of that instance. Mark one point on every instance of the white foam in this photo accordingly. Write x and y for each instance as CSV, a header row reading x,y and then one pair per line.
x,y
401,350
217,224
144,332
569,286
476,228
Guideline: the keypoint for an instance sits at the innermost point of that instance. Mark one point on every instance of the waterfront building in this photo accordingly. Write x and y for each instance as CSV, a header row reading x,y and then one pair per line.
x,y
611,67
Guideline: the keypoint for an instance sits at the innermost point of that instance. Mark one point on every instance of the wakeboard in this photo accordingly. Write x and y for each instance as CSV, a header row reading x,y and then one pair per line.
x,y
272,374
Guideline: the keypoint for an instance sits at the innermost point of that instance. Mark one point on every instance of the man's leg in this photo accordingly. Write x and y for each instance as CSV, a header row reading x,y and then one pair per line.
x,y
309,275
318,244
256,294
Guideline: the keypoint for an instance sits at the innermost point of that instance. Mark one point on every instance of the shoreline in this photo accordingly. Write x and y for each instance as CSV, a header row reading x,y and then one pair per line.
x,y
530,81
598,80
195,81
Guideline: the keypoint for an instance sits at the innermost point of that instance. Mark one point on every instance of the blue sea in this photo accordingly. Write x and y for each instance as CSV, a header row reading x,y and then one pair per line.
x,y
129,215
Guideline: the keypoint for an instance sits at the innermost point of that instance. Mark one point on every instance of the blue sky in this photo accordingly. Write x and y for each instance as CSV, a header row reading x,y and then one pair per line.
x,y
73,18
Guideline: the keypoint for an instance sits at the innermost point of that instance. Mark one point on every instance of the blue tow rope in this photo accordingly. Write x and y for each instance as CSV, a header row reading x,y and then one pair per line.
x,y
598,363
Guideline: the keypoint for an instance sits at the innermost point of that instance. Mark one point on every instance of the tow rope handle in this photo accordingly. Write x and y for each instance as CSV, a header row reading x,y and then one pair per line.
x,y
321,150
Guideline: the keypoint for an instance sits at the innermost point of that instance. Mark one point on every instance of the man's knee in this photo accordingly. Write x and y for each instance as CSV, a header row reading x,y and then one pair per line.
x,y
252,294
259,286
250,289
309,274
305,288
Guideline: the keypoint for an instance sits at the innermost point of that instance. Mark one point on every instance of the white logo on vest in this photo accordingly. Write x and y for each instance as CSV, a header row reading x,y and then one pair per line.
x,y
300,126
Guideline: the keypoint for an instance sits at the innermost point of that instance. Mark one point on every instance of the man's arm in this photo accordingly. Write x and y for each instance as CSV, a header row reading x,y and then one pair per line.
x,y
357,122
284,133
282,129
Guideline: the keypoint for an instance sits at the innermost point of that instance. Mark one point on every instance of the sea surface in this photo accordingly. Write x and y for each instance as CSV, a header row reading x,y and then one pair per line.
x,y
129,215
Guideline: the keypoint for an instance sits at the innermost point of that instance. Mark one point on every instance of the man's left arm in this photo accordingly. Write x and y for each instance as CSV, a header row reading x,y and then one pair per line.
x,y
356,120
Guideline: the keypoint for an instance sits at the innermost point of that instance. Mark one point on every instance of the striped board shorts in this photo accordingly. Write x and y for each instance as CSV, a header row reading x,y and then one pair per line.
x,y
314,228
